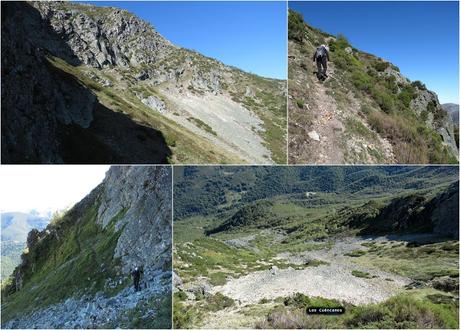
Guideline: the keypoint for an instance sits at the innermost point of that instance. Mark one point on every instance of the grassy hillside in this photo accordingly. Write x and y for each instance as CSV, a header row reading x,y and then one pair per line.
x,y
186,146
368,100
62,264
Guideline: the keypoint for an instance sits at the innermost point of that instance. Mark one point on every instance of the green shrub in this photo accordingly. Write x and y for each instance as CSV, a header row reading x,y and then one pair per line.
x,y
218,301
406,95
342,41
419,85
296,26
361,274
180,295
300,104
380,66
263,301
383,99
356,253
362,81
218,278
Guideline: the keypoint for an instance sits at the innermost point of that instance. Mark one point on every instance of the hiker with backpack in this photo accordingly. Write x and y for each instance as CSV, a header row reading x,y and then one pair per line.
x,y
321,57
136,274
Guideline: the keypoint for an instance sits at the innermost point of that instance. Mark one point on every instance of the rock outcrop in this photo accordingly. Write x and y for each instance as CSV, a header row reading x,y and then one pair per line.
x,y
104,36
49,115
139,200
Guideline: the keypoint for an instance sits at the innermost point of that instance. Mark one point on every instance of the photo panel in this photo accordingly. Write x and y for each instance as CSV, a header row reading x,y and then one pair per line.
x,y
86,247
315,247
151,82
364,87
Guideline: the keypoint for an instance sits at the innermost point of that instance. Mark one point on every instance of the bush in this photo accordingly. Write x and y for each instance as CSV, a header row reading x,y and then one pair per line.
x,y
300,104
406,95
218,301
263,301
362,81
383,99
296,26
438,113
419,85
356,253
367,315
342,41
380,66
358,273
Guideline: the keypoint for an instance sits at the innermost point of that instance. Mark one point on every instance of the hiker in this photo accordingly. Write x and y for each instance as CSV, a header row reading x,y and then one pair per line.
x,y
136,274
321,57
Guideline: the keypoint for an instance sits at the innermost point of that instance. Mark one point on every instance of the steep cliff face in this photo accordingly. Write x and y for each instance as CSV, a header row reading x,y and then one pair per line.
x,y
76,272
103,36
366,111
110,80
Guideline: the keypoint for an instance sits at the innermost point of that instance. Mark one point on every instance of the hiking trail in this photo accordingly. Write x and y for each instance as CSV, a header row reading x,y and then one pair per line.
x,y
322,116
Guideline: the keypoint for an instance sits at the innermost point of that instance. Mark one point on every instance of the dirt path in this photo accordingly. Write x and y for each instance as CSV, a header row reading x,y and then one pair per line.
x,y
333,281
326,125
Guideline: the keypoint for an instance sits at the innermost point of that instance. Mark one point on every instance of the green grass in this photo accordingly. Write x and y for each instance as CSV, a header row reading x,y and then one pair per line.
x,y
356,127
424,262
78,263
201,124
188,316
407,310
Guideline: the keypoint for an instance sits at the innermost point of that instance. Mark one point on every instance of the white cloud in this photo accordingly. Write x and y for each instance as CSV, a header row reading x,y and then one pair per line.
x,y
46,188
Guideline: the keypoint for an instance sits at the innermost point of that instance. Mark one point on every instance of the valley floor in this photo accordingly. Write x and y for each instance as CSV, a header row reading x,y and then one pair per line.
x,y
353,271
325,280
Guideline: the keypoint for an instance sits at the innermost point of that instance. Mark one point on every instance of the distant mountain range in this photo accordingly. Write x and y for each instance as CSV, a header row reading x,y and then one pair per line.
x,y
197,190
15,227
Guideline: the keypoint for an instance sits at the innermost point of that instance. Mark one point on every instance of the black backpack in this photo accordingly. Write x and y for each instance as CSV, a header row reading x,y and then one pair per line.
x,y
320,52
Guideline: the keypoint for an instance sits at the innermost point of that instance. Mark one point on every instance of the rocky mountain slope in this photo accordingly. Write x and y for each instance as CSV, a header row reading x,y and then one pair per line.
x,y
365,112
90,84
76,272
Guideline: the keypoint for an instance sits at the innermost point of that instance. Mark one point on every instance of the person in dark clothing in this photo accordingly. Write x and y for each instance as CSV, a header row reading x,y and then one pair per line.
x,y
136,274
321,57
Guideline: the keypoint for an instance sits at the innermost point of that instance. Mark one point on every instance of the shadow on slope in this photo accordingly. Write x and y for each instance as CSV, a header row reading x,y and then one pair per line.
x,y
48,115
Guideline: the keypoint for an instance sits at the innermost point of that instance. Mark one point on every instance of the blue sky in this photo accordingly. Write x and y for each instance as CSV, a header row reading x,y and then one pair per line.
x,y
249,35
408,34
